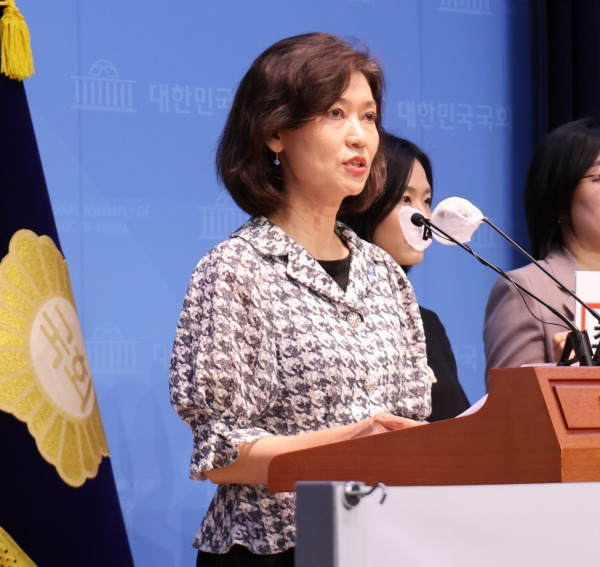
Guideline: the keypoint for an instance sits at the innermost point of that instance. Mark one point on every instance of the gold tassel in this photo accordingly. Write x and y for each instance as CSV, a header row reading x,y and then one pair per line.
x,y
16,60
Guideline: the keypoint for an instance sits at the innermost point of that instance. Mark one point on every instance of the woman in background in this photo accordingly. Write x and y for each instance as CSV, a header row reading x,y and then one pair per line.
x,y
562,209
410,182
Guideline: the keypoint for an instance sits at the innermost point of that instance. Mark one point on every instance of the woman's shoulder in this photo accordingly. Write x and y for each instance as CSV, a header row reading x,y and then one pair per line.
x,y
430,317
233,257
253,239
559,262
523,273
233,252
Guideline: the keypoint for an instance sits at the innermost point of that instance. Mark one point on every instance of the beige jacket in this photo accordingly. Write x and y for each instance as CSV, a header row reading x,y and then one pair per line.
x,y
518,331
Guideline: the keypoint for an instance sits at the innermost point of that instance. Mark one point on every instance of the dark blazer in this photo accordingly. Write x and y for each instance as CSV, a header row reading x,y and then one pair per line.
x,y
448,398
519,331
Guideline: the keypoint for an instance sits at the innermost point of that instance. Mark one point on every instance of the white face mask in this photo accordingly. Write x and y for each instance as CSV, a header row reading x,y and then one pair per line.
x,y
417,236
457,217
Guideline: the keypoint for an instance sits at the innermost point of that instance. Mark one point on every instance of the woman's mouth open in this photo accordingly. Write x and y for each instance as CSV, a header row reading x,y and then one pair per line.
x,y
357,165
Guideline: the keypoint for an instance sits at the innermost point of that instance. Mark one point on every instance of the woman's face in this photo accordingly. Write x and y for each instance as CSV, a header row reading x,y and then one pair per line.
x,y
388,233
330,158
583,234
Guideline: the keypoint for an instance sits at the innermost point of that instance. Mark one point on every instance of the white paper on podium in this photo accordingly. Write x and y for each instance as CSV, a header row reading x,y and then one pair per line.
x,y
474,407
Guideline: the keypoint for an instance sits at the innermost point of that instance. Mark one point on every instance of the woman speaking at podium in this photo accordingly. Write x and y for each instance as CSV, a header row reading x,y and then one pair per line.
x,y
562,209
294,332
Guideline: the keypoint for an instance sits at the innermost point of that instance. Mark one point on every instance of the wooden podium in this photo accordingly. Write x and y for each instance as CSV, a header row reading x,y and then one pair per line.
x,y
539,424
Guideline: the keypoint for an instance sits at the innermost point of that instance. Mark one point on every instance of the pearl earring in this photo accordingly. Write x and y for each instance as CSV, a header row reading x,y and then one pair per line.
x,y
276,160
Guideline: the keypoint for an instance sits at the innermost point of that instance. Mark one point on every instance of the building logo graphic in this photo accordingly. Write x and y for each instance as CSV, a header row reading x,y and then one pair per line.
x,y
110,353
481,7
102,89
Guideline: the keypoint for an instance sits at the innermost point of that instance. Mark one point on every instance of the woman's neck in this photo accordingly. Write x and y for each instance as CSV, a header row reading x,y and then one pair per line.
x,y
588,260
314,231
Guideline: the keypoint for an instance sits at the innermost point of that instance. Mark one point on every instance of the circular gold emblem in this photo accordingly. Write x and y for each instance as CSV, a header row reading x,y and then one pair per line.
x,y
45,378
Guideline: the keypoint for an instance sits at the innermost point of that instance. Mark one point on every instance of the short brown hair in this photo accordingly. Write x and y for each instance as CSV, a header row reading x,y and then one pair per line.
x,y
290,84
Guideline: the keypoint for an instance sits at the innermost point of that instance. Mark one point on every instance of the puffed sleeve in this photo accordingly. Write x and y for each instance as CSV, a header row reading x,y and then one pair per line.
x,y
513,334
223,371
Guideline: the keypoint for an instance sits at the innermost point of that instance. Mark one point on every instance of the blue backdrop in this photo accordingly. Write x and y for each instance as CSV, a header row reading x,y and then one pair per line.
x,y
128,100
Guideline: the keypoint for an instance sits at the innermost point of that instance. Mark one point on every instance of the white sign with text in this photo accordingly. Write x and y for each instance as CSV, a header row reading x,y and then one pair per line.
x,y
587,288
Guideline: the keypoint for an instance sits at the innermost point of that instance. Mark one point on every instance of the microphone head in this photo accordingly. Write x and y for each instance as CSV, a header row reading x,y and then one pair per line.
x,y
457,217
418,219
412,223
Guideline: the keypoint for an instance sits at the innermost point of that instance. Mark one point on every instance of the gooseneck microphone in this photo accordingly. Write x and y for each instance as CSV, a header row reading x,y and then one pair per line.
x,y
564,288
577,340
458,211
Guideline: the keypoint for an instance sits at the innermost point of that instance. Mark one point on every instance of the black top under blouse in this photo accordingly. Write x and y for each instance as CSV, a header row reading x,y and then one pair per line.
x,y
448,398
339,270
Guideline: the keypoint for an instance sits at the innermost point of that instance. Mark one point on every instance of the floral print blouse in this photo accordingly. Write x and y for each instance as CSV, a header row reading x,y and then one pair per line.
x,y
268,344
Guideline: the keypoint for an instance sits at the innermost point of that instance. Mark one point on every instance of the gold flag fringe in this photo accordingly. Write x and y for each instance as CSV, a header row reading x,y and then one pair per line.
x,y
16,59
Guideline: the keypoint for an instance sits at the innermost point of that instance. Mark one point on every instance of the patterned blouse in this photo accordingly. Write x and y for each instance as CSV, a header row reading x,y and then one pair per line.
x,y
268,344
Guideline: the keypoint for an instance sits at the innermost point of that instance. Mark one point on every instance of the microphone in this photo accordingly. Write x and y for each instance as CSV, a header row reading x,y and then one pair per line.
x,y
456,211
577,340
417,236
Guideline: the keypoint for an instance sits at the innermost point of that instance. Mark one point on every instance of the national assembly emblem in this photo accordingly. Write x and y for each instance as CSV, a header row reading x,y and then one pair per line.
x,y
45,379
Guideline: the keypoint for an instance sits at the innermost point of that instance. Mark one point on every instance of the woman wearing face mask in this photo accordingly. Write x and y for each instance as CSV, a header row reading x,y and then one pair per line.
x,y
409,181
294,332
562,209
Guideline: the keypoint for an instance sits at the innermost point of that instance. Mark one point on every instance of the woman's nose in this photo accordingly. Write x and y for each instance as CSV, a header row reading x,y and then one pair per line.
x,y
356,132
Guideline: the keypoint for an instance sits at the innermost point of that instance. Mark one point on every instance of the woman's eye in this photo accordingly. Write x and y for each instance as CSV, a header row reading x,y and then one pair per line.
x,y
335,113
406,200
371,117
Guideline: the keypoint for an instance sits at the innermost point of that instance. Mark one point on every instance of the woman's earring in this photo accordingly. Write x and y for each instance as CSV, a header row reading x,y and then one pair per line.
x,y
276,160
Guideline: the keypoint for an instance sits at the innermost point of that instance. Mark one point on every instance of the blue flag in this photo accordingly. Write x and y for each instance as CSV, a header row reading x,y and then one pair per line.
x,y
58,499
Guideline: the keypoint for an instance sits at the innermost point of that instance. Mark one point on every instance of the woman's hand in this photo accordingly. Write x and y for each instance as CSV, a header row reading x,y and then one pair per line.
x,y
383,423
558,342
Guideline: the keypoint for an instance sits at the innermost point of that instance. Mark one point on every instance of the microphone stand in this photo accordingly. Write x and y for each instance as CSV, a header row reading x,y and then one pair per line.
x,y
576,339
568,344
